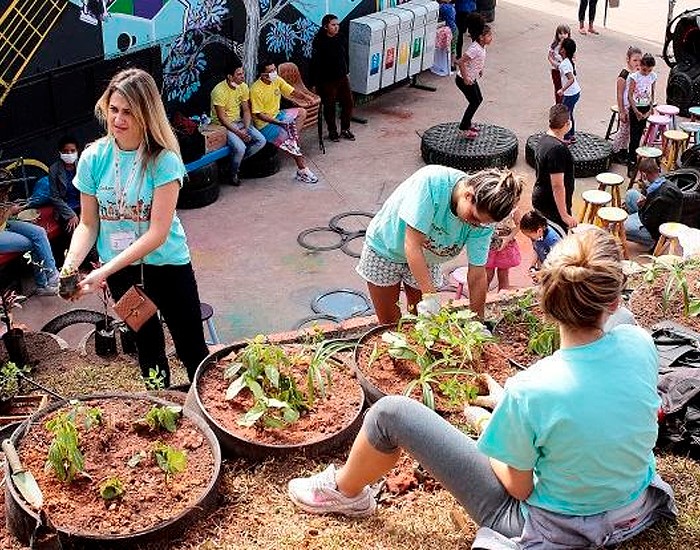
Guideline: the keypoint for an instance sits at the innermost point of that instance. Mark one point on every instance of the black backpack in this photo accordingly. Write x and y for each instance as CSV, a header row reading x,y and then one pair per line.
x,y
663,205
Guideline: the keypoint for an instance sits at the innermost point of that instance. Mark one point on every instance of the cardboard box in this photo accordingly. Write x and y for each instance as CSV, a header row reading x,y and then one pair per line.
x,y
214,137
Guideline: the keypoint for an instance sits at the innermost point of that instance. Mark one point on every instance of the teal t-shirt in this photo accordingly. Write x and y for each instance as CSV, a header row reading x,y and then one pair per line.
x,y
585,420
95,175
423,201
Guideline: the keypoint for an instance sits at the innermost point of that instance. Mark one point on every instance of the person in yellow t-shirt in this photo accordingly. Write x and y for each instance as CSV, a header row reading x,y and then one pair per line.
x,y
280,126
230,107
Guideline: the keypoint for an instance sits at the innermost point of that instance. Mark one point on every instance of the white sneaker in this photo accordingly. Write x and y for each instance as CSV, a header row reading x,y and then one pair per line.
x,y
47,290
319,494
306,176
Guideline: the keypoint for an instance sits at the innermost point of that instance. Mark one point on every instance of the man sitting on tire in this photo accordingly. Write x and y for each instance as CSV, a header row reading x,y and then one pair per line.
x,y
661,202
230,107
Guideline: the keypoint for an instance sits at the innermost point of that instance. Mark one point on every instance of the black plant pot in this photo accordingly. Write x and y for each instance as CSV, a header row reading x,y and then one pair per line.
x,y
105,339
127,338
16,346
68,285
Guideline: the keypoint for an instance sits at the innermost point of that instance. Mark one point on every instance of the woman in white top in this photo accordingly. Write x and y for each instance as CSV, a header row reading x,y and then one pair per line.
x,y
471,67
570,90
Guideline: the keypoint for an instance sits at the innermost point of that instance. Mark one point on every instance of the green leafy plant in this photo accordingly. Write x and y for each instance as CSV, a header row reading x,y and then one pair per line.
x,y
155,381
111,488
64,456
159,418
544,340
457,391
543,336
674,269
169,459
9,380
93,417
319,373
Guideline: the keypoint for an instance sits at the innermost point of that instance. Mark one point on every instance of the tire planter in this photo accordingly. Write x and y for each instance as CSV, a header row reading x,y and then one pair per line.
x,y
201,188
495,147
591,153
322,319
340,222
235,444
262,164
73,317
335,237
21,519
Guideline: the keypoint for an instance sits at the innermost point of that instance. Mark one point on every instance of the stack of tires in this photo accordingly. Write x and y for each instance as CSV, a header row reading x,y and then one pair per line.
x,y
683,87
688,181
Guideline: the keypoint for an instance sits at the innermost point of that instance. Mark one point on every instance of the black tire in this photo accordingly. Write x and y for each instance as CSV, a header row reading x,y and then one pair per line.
x,y
592,154
299,325
336,223
302,242
495,147
350,242
262,164
73,317
201,188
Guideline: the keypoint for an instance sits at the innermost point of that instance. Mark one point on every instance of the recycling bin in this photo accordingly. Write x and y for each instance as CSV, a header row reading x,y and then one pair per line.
x,y
366,48
419,14
431,23
404,47
391,42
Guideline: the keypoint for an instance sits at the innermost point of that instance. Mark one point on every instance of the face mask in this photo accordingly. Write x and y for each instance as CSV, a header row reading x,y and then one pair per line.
x,y
272,76
69,158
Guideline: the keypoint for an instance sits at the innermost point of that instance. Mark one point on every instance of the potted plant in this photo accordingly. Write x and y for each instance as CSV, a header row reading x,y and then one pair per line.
x,y
263,399
116,471
14,336
68,281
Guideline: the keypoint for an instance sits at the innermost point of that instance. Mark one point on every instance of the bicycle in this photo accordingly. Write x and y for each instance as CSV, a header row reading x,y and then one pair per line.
x,y
20,169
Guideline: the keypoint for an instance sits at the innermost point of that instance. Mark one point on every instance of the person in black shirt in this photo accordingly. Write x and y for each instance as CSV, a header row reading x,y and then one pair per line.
x,y
329,77
554,187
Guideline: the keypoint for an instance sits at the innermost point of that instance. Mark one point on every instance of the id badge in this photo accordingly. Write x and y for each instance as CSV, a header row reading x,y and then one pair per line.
x,y
121,240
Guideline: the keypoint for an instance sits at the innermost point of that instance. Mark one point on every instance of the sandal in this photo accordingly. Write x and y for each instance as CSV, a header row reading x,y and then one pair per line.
x,y
593,31
583,31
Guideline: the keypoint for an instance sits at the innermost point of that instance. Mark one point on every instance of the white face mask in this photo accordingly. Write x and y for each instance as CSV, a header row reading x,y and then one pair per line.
x,y
69,158
272,76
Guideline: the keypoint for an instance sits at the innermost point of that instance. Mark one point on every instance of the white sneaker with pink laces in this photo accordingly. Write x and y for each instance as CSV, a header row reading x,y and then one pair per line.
x,y
319,494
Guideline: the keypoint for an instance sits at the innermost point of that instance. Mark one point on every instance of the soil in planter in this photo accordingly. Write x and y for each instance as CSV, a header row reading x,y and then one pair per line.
x,y
646,302
328,416
147,500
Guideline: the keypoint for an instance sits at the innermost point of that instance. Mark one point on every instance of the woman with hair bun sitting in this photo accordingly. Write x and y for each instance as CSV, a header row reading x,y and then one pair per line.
x,y
566,460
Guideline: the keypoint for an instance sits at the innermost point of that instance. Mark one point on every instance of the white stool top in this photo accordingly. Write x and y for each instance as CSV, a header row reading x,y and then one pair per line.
x,y
612,214
659,119
609,178
670,110
582,228
694,111
671,230
690,126
614,108
593,196
649,152
676,135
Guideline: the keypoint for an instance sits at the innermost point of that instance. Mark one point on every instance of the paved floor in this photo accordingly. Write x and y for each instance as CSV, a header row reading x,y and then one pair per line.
x,y
249,265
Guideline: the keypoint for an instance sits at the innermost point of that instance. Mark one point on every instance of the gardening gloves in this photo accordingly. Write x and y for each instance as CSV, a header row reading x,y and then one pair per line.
x,y
429,305
494,396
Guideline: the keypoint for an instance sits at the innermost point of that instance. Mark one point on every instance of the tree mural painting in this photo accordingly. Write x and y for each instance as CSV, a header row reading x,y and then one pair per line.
x,y
185,58
281,36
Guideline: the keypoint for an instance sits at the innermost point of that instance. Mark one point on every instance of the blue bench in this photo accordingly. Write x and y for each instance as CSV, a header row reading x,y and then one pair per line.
x,y
207,159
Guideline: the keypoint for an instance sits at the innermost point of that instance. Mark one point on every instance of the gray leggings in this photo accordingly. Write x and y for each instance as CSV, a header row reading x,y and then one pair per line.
x,y
449,455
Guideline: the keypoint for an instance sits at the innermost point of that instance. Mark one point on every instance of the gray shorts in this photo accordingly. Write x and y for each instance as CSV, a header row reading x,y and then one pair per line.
x,y
379,271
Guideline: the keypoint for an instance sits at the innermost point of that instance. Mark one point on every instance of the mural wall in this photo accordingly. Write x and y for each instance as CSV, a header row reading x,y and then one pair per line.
x,y
52,72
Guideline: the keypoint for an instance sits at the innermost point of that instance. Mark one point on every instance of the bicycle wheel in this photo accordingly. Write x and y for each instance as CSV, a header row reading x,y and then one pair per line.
x,y
22,172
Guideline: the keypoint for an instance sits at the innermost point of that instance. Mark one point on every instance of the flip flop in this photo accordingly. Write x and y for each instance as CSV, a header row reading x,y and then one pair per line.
x,y
593,31
583,31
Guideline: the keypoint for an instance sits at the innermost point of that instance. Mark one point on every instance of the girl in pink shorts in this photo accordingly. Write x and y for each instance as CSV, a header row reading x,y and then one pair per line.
x,y
504,252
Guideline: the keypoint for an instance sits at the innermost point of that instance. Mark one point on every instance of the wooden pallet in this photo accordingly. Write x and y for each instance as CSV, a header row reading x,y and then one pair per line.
x,y
22,407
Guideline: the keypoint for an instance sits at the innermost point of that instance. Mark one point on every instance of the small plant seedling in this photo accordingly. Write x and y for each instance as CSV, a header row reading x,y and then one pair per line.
x,y
159,418
93,417
155,381
111,488
9,380
319,371
544,341
458,392
169,459
64,456
676,282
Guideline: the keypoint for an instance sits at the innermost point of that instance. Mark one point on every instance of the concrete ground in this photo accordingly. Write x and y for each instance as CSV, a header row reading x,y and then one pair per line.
x,y
248,263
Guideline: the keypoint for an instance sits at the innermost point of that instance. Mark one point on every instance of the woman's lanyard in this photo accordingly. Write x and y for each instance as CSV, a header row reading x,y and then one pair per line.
x,y
119,190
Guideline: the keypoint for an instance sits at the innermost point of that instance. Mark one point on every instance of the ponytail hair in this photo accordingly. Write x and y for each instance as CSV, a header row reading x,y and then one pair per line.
x,y
496,192
476,25
581,278
569,47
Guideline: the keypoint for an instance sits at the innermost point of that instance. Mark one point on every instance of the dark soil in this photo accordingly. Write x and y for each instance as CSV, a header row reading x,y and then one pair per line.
x,y
329,416
147,501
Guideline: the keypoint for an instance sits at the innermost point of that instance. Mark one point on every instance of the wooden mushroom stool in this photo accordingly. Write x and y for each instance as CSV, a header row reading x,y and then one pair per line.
x,y
614,117
669,239
671,111
611,182
593,199
674,143
613,219
692,129
643,153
